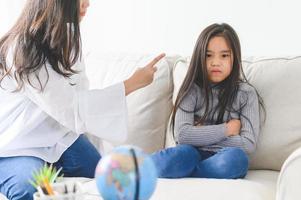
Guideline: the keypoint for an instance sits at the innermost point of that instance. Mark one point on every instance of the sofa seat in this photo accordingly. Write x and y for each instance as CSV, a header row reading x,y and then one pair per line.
x,y
258,185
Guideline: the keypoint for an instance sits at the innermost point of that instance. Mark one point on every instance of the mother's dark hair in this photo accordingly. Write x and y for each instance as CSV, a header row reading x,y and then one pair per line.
x,y
46,31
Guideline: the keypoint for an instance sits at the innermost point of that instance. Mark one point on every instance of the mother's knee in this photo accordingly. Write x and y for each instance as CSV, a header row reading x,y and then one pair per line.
x,y
20,190
15,184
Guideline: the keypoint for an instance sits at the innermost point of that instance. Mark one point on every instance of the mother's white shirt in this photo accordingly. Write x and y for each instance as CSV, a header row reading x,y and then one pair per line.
x,y
44,124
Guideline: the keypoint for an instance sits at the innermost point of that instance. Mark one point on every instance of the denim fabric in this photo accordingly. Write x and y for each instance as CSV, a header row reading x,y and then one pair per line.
x,y
79,160
187,161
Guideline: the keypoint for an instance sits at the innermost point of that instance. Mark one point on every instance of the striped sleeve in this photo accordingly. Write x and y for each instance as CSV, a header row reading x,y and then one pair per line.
x,y
187,133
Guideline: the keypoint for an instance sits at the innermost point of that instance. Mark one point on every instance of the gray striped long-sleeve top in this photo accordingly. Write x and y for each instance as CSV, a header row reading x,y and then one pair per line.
x,y
211,136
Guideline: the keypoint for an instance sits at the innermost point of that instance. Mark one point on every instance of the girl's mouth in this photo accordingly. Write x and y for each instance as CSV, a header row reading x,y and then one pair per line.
x,y
216,71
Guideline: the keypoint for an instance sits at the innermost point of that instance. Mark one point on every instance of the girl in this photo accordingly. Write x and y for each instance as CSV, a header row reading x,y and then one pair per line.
x,y
44,100
216,113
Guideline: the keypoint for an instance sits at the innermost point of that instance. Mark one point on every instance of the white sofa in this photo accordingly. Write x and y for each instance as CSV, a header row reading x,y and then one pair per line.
x,y
275,168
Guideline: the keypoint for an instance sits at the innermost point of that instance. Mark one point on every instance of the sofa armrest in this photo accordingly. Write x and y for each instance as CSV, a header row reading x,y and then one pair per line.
x,y
289,180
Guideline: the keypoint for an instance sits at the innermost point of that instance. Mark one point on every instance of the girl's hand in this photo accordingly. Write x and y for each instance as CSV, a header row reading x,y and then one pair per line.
x,y
233,127
142,76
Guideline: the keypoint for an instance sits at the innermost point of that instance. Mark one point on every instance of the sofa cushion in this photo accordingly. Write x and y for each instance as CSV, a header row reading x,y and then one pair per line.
x,y
258,185
278,82
148,108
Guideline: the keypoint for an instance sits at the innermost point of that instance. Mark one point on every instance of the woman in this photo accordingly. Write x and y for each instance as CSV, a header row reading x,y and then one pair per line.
x,y
44,100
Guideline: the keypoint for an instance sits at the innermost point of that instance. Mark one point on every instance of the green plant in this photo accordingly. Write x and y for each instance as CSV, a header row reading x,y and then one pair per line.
x,y
45,176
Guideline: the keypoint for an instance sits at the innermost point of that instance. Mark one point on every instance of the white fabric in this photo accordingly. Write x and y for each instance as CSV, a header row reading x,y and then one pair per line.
x,y
289,181
278,82
179,73
148,108
44,124
258,185
180,65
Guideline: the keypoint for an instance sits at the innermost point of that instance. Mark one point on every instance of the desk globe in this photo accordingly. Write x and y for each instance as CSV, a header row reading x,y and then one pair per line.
x,y
127,173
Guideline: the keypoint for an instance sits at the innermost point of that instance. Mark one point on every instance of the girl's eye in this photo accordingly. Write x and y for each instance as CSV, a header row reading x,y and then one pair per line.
x,y
208,55
225,55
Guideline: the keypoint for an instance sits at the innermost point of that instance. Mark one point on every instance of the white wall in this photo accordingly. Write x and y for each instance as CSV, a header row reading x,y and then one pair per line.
x,y
9,12
265,27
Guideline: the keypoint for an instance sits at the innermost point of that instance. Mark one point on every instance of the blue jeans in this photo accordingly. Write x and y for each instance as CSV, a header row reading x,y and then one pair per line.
x,y
79,160
187,161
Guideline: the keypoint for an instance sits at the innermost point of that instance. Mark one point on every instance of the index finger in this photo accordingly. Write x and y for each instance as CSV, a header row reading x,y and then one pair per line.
x,y
157,59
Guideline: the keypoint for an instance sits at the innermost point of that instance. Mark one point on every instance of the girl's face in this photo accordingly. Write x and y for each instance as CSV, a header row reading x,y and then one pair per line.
x,y
219,59
83,5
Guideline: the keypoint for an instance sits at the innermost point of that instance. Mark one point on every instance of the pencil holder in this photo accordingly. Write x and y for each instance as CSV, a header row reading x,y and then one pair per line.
x,y
62,191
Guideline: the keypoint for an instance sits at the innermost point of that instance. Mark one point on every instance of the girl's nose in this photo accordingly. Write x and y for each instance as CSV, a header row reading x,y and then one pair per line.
x,y
215,62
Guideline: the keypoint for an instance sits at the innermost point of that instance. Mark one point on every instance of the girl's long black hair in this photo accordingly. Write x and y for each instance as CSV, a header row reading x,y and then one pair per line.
x,y
197,74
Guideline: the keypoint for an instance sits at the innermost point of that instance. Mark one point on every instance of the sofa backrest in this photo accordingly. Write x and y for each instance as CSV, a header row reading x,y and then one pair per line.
x,y
148,108
278,81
